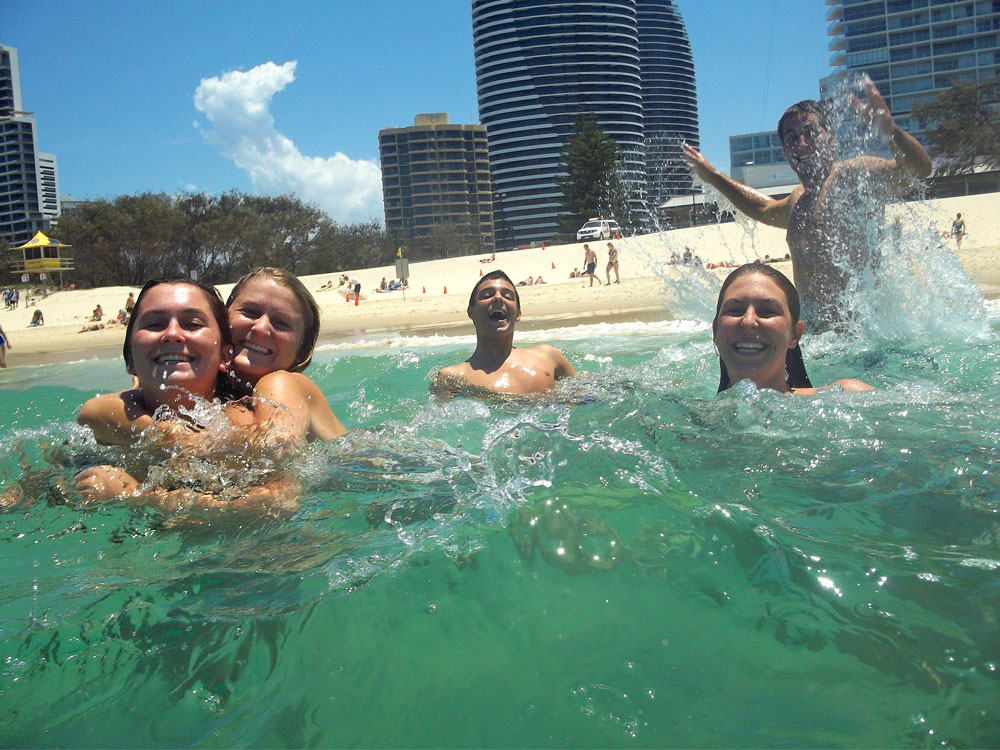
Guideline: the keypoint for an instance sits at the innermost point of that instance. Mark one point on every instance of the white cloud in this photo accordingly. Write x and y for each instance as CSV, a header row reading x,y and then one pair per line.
x,y
236,104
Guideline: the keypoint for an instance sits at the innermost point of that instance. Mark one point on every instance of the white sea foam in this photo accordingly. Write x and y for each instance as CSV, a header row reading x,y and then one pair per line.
x,y
537,336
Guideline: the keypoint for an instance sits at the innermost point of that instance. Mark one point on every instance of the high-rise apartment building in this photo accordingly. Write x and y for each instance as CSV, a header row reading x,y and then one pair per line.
x,y
25,200
539,63
758,160
669,98
912,49
435,172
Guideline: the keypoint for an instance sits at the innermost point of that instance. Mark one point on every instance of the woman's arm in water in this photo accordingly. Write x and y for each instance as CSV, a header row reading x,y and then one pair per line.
x,y
755,204
276,497
848,385
115,418
294,403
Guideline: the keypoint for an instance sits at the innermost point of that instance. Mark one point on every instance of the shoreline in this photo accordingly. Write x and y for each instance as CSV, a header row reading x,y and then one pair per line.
x,y
439,289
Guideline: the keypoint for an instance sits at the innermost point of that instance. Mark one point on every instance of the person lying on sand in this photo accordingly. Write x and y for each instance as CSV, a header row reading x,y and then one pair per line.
x,y
497,366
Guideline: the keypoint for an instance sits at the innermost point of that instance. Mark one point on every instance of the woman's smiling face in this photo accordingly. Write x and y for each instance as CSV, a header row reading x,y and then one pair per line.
x,y
754,330
268,328
176,344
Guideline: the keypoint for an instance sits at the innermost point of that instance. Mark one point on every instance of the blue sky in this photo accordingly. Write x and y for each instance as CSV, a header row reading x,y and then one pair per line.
x,y
271,98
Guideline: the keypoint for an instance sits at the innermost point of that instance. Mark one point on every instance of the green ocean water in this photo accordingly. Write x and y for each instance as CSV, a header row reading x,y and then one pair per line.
x,y
635,561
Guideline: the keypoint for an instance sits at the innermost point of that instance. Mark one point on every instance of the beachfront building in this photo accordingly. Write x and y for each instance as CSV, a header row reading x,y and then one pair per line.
x,y
28,181
669,99
913,49
435,173
539,63
758,160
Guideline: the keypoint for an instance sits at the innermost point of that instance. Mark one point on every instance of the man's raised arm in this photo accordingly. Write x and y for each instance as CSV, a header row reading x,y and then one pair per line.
x,y
910,157
753,203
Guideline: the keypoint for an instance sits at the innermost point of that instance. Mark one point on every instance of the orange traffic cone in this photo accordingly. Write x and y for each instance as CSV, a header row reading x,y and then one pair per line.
x,y
356,298
446,290
425,290
618,235
480,271
347,299
543,246
553,265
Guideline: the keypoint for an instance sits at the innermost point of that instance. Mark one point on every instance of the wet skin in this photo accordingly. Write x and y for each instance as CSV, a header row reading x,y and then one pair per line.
x,y
829,216
496,366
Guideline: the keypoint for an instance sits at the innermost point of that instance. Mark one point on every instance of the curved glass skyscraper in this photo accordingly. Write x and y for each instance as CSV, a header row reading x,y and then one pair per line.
x,y
539,63
669,98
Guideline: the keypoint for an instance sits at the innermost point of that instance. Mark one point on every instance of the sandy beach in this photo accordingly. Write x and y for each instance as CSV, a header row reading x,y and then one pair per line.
x,y
439,290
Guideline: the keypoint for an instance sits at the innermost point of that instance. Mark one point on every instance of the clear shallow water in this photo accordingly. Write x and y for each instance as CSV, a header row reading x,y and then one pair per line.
x,y
635,562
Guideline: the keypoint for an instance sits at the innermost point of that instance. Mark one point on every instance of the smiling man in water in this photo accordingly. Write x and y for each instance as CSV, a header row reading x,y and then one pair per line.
x,y
497,366
830,215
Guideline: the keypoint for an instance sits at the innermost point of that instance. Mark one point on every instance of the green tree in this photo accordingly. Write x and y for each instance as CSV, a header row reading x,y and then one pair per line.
x,y
963,126
593,184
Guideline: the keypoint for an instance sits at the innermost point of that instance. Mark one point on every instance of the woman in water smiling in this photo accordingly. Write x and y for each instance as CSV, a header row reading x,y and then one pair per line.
x,y
757,330
275,323
177,346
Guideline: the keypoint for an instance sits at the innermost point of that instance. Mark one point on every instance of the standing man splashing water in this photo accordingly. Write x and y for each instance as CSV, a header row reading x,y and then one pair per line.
x,y
497,366
828,216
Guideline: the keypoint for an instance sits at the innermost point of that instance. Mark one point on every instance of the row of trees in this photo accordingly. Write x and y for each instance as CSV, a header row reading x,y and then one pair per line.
x,y
133,238
593,185
963,126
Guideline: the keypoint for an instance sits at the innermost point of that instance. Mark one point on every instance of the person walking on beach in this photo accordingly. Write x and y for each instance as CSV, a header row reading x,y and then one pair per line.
x,y
612,263
589,264
4,343
828,245
497,366
958,230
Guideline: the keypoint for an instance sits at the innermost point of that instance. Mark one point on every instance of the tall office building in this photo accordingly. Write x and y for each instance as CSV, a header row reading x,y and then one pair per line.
x,y
539,63
24,200
669,98
434,173
758,160
912,49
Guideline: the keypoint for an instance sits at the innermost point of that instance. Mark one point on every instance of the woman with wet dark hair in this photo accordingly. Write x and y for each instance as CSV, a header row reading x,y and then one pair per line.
x,y
757,330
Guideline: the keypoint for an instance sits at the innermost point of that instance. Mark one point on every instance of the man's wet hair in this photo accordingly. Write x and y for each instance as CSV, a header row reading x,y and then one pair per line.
x,y
805,107
498,274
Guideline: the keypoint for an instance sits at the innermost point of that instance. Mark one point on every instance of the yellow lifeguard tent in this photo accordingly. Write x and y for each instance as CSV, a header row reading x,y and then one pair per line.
x,y
41,254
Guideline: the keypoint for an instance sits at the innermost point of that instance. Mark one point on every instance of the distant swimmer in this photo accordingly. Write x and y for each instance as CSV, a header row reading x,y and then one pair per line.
x,y
497,366
828,241
757,332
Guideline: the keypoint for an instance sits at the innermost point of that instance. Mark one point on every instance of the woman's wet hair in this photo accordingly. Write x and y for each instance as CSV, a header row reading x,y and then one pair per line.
x,y
307,308
498,274
211,294
795,368
805,107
